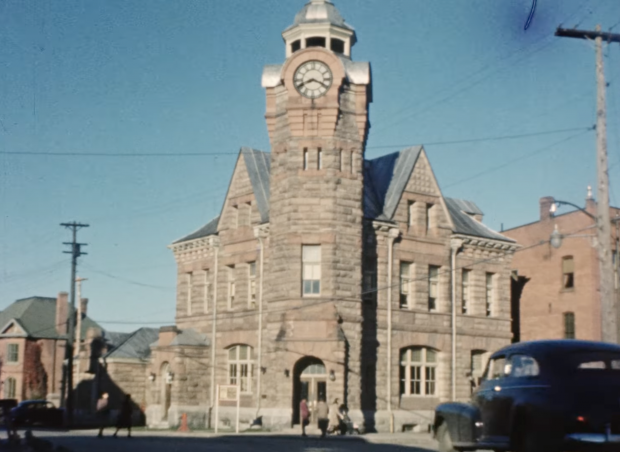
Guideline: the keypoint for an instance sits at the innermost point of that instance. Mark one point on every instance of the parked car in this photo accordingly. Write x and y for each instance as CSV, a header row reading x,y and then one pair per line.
x,y
547,396
37,412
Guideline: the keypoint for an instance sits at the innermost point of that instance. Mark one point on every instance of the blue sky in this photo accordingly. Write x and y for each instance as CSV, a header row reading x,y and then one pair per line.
x,y
143,77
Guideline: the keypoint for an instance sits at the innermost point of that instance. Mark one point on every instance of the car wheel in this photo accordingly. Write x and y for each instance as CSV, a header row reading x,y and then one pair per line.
x,y
443,437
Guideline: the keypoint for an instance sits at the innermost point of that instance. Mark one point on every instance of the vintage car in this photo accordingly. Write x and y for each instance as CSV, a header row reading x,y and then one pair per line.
x,y
547,396
37,412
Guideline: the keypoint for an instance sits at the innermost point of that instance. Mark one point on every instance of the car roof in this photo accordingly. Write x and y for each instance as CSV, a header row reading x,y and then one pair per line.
x,y
543,347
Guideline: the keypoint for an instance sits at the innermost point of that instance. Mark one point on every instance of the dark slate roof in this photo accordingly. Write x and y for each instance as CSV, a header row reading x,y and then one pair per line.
x,y
258,164
465,224
37,316
385,179
136,345
208,229
114,339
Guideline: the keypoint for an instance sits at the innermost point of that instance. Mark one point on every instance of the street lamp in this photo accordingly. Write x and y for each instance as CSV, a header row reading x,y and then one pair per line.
x,y
556,238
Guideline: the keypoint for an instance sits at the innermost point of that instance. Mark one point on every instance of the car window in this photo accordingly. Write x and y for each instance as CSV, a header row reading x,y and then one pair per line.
x,y
496,368
523,366
595,361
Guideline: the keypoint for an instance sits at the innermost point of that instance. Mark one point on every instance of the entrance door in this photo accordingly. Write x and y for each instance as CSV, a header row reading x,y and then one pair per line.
x,y
310,383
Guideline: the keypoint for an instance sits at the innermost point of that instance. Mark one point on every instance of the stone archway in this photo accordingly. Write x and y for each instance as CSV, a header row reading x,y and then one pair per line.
x,y
166,390
310,383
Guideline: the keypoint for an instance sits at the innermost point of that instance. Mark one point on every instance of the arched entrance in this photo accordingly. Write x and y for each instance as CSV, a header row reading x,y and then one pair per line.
x,y
310,383
166,390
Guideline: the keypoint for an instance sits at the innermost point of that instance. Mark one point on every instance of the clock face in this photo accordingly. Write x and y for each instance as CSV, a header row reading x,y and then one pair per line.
x,y
313,79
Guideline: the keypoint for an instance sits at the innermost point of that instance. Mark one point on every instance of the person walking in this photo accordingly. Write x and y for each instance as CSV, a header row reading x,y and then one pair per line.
x,y
334,417
102,413
304,414
124,417
322,414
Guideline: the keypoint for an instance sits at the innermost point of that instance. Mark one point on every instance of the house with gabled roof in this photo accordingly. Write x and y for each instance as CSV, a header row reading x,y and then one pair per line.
x,y
328,275
33,334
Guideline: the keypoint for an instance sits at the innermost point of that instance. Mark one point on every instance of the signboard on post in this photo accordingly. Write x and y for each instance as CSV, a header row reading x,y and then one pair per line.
x,y
227,393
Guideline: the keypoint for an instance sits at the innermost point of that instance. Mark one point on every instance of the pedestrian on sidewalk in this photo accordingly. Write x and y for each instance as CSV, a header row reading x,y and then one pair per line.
x,y
124,417
304,414
102,413
334,417
322,414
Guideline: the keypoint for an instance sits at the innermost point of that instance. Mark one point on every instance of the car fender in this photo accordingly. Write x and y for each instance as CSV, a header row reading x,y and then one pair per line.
x,y
461,419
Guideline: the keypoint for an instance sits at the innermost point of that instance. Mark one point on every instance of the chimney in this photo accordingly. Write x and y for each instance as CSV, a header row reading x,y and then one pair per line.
x,y
590,202
62,311
84,307
545,207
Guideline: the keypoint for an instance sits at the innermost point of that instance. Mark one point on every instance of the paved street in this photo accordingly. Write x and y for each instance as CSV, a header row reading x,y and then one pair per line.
x,y
167,441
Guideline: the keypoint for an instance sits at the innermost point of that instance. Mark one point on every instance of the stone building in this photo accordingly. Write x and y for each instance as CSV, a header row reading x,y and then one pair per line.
x,y
558,289
327,274
33,334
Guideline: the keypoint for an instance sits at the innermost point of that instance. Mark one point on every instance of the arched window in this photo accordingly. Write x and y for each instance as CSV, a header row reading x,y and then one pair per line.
x,y
418,370
10,386
241,367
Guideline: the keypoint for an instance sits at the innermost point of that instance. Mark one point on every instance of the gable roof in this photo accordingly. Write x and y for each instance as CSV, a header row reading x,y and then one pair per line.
x,y
37,317
136,345
385,179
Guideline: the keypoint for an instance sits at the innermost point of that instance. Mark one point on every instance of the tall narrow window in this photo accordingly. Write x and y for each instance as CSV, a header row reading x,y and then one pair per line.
x,y
429,218
252,285
10,386
568,272
341,158
405,284
295,46
189,294
305,159
490,294
465,291
319,160
418,370
311,278
411,213
241,367
206,293
231,287
235,218
433,287
477,365
12,353
569,325
352,162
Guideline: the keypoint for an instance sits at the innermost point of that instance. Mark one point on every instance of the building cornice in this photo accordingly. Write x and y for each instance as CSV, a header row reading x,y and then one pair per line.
x,y
486,244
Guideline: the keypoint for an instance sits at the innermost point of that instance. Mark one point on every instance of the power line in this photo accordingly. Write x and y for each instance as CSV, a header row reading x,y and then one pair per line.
x,y
126,280
518,159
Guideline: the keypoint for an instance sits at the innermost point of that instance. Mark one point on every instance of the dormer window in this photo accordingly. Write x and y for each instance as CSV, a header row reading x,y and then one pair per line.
x,y
295,46
337,45
316,42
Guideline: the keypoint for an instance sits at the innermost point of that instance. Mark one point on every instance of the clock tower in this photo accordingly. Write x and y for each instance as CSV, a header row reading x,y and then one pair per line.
x,y
317,118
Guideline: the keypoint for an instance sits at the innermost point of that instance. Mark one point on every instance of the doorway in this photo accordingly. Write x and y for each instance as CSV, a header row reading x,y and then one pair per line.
x,y
310,383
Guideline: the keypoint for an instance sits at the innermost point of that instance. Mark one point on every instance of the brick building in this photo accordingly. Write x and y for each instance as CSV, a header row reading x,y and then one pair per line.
x,y
32,346
557,292
327,274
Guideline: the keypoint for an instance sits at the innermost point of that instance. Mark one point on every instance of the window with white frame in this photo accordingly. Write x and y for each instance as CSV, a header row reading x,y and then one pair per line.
x,y
207,292
10,388
252,285
311,263
241,367
418,371
188,300
490,293
12,355
405,284
231,287
465,291
433,287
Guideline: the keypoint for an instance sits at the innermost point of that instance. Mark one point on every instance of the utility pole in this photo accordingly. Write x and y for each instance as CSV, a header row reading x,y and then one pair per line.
x,y
68,372
78,332
609,312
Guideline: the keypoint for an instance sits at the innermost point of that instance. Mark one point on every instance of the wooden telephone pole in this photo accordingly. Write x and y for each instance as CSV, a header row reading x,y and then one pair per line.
x,y
609,312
